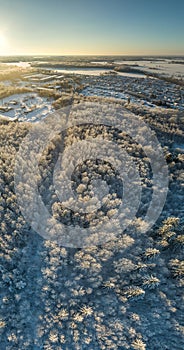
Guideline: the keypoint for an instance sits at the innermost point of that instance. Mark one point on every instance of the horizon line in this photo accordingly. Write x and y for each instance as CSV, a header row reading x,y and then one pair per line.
x,y
99,55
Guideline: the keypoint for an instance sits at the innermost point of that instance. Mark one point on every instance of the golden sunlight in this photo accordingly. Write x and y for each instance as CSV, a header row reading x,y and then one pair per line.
x,y
3,44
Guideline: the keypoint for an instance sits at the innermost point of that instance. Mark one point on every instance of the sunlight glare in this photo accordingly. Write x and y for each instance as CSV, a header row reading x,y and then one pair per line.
x,y
3,44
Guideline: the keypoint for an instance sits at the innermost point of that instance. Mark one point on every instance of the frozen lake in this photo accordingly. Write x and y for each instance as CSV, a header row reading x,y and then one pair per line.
x,y
83,71
94,71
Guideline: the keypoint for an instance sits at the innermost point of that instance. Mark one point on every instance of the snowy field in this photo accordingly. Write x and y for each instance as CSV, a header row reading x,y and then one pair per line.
x,y
165,67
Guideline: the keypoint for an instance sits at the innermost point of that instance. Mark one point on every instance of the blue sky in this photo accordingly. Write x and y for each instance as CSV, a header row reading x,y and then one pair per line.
x,y
92,27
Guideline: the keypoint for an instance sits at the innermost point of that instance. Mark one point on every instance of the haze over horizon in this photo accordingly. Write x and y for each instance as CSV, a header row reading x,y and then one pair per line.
x,y
91,27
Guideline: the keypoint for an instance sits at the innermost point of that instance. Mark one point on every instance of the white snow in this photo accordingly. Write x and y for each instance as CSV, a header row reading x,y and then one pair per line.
x,y
161,67
27,107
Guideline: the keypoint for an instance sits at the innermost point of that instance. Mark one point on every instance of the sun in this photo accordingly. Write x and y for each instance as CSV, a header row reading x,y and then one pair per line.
x,y
3,44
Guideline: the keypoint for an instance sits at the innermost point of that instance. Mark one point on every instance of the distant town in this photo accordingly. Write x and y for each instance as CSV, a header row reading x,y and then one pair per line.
x,y
29,90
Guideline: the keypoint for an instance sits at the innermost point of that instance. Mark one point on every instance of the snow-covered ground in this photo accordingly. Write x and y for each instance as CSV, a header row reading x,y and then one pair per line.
x,y
125,293
125,86
83,71
132,75
161,67
94,71
19,64
26,107
149,91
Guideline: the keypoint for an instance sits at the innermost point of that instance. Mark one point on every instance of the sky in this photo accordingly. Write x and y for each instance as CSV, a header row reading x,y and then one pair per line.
x,y
91,27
